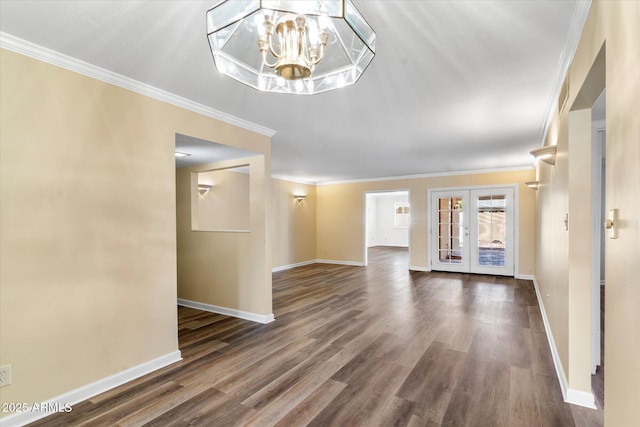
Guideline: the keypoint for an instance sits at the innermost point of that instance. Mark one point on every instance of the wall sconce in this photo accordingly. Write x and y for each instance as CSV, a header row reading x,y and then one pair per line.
x,y
532,184
547,154
204,188
299,198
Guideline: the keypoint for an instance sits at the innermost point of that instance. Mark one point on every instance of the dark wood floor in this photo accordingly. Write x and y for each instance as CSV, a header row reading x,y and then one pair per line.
x,y
375,346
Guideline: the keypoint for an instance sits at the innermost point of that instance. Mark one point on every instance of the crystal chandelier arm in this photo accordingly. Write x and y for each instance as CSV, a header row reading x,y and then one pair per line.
x,y
265,40
264,58
271,49
264,43
316,53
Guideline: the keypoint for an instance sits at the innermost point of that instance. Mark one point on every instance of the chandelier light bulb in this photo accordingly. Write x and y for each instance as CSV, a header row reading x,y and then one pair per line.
x,y
299,48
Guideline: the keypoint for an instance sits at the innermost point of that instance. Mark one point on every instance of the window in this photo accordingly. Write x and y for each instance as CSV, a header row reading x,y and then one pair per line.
x,y
401,217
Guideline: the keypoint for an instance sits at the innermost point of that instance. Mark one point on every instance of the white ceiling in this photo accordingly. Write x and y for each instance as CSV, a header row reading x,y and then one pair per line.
x,y
201,151
455,85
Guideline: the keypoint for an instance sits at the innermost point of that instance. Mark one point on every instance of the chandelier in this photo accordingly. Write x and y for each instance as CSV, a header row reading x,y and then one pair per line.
x,y
290,46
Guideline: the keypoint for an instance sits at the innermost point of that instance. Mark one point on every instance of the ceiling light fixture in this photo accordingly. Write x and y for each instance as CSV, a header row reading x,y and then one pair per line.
x,y
286,46
547,154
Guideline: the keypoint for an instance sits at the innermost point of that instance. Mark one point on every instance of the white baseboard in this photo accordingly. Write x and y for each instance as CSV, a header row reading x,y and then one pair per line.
x,y
260,318
88,391
330,261
572,396
525,276
580,398
289,266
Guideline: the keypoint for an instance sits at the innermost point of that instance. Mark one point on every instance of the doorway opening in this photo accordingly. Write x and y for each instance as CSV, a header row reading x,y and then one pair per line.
x,y
216,219
387,222
598,197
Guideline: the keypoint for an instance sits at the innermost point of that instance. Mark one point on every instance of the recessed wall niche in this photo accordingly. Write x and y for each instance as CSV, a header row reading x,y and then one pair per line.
x,y
220,199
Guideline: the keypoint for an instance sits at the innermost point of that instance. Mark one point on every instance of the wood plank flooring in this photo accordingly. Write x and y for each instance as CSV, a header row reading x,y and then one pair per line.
x,y
354,346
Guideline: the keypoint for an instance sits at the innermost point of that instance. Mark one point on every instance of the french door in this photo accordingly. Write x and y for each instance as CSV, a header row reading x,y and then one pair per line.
x,y
472,231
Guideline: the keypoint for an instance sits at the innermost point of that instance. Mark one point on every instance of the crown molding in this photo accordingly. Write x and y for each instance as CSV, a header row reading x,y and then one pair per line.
x,y
16,44
428,175
566,57
292,179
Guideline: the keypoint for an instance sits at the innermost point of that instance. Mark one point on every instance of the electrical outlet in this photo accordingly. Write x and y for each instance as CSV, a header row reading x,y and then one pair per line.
x,y
5,375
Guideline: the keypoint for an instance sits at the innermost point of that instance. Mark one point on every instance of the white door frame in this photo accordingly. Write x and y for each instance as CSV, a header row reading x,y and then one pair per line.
x,y
516,220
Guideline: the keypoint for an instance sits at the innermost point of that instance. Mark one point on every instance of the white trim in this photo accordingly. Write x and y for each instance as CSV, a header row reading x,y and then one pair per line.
x,y
525,276
88,391
15,44
292,179
429,175
419,268
580,398
566,57
572,396
365,231
337,262
289,266
516,231
254,317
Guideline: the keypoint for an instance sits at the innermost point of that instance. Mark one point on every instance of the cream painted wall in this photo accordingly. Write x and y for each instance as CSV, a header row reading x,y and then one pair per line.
x,y
226,205
340,214
87,226
294,224
616,25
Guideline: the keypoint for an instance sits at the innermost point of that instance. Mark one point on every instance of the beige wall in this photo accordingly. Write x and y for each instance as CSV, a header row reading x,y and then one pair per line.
x,y
226,205
223,268
294,224
340,214
616,25
87,226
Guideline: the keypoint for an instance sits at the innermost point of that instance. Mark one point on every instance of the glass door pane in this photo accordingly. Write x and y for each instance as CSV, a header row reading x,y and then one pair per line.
x,y
492,230
450,231
451,221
